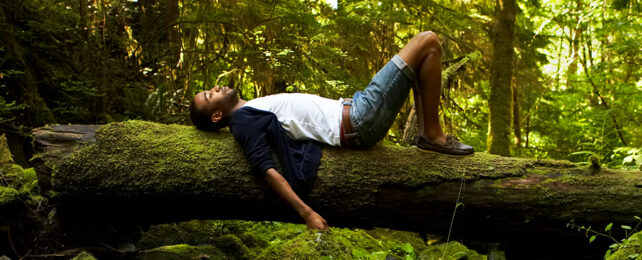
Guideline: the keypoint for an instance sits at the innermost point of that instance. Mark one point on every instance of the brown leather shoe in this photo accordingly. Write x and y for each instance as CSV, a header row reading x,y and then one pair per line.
x,y
452,146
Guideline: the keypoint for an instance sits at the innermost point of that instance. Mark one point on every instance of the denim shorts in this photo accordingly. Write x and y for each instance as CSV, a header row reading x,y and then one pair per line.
x,y
374,109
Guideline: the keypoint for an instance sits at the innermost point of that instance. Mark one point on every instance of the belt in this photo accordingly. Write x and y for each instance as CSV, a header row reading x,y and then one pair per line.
x,y
347,140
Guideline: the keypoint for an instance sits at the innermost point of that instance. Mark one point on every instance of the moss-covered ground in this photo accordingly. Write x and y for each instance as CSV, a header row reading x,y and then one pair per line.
x,y
237,239
18,186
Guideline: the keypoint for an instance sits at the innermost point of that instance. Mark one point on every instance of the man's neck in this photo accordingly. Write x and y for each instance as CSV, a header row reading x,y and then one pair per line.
x,y
238,105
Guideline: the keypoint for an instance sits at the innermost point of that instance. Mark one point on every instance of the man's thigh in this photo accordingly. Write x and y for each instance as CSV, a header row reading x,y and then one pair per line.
x,y
374,109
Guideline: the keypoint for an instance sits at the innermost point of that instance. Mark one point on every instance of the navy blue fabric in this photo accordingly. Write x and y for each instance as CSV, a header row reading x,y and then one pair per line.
x,y
258,131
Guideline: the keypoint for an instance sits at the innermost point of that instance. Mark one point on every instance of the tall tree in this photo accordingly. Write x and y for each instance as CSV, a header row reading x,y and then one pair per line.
x,y
501,93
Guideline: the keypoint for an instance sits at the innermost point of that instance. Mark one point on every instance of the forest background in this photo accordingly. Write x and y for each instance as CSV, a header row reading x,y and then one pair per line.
x,y
572,84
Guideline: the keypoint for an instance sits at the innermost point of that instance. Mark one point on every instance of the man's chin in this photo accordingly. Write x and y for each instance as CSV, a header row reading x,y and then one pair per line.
x,y
231,95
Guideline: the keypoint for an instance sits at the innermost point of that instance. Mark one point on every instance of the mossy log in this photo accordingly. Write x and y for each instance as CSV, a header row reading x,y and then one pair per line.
x,y
164,173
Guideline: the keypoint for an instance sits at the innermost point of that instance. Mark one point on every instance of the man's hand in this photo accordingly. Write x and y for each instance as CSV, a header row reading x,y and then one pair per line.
x,y
281,186
315,221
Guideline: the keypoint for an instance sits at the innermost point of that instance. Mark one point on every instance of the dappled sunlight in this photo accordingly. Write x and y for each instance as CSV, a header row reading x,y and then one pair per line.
x,y
530,80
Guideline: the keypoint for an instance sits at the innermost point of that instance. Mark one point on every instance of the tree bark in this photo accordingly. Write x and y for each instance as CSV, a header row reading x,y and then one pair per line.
x,y
24,88
500,79
517,121
164,173
171,15
574,43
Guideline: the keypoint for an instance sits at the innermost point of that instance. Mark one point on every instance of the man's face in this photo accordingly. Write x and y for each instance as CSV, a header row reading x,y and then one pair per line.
x,y
217,99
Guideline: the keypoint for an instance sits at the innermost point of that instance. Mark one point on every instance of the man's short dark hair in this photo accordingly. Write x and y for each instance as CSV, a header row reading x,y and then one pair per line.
x,y
202,119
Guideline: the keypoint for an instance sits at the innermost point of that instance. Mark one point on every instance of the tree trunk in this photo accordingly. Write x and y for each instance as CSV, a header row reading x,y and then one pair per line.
x,y
517,124
171,15
410,129
574,42
157,173
500,80
23,88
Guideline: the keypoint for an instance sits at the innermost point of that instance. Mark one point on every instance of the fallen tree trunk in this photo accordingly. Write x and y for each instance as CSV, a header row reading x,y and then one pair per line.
x,y
164,173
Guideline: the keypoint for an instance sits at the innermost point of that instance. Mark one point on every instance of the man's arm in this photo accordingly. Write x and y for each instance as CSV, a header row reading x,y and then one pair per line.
x,y
281,186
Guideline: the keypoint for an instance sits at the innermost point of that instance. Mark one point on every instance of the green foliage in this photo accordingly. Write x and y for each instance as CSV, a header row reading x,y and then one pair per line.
x,y
9,111
630,157
16,184
629,247
576,70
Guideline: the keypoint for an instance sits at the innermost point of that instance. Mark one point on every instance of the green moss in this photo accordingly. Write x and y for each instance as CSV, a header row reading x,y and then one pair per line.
x,y
274,240
5,153
8,196
452,250
84,256
138,157
336,243
250,239
12,173
183,251
538,171
232,246
29,181
398,242
19,185
631,248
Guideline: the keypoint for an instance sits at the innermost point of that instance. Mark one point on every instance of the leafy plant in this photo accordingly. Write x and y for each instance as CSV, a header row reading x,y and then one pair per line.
x,y
630,158
592,234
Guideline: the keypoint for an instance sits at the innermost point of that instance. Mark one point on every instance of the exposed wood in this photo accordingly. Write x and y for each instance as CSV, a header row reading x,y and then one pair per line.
x,y
63,137
410,129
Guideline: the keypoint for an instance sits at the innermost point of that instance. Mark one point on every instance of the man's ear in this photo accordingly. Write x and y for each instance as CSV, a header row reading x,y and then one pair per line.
x,y
217,116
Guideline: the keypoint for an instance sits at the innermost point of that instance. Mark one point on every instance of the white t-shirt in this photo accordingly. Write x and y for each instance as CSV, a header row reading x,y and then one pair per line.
x,y
304,116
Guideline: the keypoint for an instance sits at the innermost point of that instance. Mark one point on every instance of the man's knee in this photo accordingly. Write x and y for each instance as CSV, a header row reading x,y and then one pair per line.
x,y
429,41
422,45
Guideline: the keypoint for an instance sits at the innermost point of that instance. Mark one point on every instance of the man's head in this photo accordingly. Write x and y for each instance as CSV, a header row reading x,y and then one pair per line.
x,y
210,110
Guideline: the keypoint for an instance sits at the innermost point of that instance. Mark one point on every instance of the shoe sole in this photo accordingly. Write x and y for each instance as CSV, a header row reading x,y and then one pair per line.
x,y
432,151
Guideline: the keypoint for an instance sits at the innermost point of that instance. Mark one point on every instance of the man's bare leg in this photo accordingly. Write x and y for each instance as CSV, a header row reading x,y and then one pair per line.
x,y
423,54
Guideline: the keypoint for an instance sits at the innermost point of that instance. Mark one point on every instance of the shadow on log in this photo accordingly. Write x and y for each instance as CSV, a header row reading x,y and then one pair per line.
x,y
153,173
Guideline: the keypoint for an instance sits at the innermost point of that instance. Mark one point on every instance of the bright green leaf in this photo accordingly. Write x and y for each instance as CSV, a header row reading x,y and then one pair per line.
x,y
626,227
608,227
408,248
